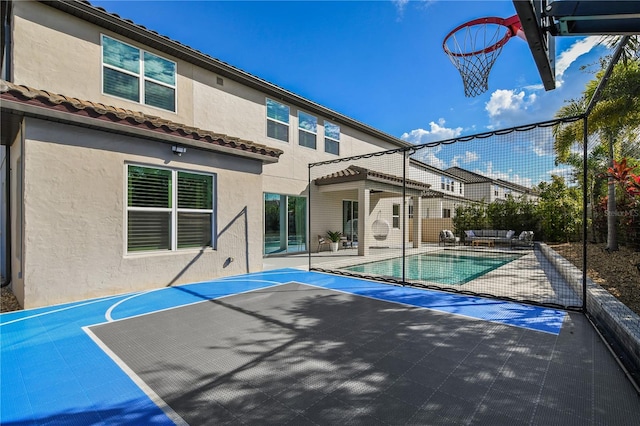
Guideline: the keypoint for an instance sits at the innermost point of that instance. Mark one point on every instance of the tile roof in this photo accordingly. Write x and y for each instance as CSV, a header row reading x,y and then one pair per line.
x,y
447,196
517,187
129,119
467,176
356,173
421,164
471,177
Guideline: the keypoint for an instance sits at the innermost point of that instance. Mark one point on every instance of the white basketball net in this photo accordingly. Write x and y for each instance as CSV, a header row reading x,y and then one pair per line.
x,y
473,50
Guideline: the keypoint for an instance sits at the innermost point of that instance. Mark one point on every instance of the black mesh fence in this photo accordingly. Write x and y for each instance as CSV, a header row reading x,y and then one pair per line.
x,y
546,214
476,215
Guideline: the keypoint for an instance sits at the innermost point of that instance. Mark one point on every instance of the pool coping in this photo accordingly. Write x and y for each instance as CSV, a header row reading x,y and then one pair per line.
x,y
531,268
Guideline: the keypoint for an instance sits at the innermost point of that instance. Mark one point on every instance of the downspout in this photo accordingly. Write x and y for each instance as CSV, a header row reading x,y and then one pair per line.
x,y
308,216
6,56
7,207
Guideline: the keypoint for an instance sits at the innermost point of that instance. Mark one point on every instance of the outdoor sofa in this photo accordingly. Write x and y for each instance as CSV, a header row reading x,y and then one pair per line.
x,y
499,236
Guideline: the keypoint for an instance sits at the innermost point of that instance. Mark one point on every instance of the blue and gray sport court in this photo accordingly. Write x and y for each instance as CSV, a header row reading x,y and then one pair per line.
x,y
294,347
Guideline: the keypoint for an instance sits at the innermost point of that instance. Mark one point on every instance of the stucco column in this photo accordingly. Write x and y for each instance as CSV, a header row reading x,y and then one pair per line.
x,y
364,231
417,221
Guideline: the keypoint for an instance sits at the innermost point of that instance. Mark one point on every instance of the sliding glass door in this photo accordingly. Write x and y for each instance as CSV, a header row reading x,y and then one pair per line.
x,y
350,220
285,223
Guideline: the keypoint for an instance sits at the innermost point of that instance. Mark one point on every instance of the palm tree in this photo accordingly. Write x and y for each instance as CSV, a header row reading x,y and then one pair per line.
x,y
630,50
596,162
613,120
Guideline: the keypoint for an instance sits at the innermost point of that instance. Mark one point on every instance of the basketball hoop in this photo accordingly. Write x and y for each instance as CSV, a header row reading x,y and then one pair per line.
x,y
474,46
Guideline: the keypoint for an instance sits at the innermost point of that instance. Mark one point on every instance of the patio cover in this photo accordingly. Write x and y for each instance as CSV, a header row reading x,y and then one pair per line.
x,y
366,182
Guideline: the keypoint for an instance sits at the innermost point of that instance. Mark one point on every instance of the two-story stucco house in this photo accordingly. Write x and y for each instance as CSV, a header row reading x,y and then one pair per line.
x,y
131,161
482,188
134,162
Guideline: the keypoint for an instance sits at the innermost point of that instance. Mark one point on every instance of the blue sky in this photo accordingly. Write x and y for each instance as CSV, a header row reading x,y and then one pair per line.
x,y
382,63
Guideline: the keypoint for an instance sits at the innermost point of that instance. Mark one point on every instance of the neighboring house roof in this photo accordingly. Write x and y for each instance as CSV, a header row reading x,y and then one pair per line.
x,y
357,173
438,194
40,103
471,177
431,168
517,187
466,176
99,16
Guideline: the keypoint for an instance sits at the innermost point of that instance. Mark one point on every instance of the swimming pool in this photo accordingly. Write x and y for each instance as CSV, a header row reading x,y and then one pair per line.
x,y
439,267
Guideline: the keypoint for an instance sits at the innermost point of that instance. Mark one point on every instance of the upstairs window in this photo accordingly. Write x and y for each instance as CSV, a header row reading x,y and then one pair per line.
x,y
307,129
277,120
331,138
168,209
136,75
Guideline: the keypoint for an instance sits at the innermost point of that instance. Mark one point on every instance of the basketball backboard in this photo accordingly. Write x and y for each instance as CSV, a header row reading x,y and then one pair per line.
x,y
542,43
543,20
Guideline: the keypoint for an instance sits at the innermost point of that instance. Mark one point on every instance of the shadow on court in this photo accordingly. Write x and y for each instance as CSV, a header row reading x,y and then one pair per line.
x,y
308,355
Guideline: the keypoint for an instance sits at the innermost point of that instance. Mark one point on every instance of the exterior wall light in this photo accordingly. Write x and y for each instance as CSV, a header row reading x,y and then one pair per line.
x,y
178,150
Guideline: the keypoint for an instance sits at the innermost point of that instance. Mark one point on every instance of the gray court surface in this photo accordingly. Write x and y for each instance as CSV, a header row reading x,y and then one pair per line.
x,y
297,354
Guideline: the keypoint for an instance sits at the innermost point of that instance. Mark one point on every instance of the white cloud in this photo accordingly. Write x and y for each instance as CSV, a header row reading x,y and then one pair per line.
x,y
436,132
400,4
468,157
428,156
543,145
569,56
504,102
566,172
496,174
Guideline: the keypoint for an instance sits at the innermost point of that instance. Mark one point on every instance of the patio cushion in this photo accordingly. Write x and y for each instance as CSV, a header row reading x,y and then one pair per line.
x,y
510,234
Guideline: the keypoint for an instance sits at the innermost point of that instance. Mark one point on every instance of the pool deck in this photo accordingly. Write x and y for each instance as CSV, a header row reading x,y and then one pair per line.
x,y
531,278
54,372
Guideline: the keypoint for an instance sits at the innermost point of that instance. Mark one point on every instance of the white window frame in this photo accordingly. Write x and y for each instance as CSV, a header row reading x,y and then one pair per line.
x,y
173,210
328,138
266,113
301,129
141,77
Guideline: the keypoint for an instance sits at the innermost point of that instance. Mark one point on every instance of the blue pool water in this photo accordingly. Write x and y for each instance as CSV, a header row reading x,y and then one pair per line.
x,y
444,268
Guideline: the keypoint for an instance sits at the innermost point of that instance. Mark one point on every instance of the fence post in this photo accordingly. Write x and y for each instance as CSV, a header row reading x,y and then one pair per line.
x,y
585,194
404,214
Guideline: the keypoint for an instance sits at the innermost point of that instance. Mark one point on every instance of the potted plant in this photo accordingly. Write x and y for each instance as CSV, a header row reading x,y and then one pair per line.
x,y
334,237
